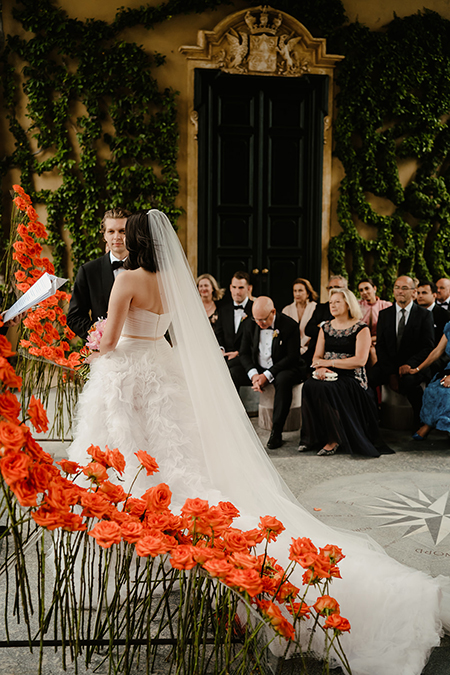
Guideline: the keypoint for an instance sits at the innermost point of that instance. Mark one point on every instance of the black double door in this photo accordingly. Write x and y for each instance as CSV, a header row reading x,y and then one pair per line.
x,y
260,178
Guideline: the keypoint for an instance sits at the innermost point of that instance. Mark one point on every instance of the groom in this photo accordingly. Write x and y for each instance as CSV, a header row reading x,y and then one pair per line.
x,y
94,281
270,353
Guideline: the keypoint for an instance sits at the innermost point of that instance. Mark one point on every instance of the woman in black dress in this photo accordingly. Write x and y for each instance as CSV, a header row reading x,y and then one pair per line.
x,y
338,410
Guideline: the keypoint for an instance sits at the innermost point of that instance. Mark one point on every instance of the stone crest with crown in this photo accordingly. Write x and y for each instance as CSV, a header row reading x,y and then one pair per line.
x,y
261,46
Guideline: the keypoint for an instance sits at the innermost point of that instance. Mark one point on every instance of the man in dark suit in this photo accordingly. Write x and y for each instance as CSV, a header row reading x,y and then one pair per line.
x,y
405,337
94,280
270,353
232,320
426,297
320,315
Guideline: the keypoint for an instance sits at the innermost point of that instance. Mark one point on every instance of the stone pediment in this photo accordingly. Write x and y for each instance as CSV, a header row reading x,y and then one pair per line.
x,y
262,41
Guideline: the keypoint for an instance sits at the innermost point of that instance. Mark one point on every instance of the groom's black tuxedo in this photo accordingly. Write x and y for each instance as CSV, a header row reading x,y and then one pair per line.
x,y
90,295
231,340
288,367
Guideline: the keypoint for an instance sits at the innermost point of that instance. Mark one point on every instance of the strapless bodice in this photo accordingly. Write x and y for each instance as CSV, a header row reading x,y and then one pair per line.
x,y
140,323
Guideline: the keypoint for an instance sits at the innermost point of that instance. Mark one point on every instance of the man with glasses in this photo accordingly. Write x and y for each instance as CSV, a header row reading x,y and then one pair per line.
x,y
270,353
320,315
405,337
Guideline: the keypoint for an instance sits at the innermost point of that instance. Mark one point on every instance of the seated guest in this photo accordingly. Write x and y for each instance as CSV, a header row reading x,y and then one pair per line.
x,y
443,293
270,353
320,315
426,297
338,411
371,306
435,412
229,328
301,310
405,337
210,294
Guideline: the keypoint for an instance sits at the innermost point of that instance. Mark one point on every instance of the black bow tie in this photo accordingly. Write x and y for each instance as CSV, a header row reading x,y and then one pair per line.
x,y
239,307
116,264
443,304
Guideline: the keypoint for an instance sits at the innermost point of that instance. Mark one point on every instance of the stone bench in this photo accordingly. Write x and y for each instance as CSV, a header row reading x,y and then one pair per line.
x,y
396,410
294,419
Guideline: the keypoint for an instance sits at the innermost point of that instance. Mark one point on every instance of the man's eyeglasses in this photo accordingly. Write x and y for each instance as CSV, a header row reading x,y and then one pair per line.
x,y
263,320
403,288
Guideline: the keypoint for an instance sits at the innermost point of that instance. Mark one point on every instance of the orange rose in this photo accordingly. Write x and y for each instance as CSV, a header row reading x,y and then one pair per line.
x,y
5,347
115,493
148,462
131,531
31,213
72,522
95,505
106,533
158,498
23,260
271,526
25,491
287,591
326,605
236,540
245,580
95,472
195,507
114,458
8,375
43,475
12,437
201,554
9,406
152,545
48,517
135,507
337,623
244,560
229,509
334,553
280,624
38,415
157,521
218,568
254,537
15,466
97,454
182,557
69,467
299,609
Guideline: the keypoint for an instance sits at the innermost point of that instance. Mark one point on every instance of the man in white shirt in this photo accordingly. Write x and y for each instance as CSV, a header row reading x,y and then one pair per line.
x,y
94,280
270,353
405,337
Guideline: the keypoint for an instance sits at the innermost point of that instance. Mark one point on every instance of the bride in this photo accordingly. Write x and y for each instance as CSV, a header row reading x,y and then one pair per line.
x,y
177,402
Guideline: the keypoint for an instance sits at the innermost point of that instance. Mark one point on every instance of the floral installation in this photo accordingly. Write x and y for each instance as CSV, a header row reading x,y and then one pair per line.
x,y
201,543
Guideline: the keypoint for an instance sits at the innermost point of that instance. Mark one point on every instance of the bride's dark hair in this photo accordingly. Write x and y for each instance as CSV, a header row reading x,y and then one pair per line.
x,y
141,251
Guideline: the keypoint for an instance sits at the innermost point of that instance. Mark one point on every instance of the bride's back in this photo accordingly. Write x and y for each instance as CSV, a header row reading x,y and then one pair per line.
x,y
145,290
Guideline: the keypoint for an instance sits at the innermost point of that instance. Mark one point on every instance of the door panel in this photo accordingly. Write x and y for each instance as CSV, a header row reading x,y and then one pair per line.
x,y
260,178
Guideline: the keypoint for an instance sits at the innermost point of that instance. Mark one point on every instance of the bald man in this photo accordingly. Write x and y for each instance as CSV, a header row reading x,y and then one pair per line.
x,y
270,353
443,293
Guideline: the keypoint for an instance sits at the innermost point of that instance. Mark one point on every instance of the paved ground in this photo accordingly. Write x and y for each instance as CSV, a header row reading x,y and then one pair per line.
x,y
402,500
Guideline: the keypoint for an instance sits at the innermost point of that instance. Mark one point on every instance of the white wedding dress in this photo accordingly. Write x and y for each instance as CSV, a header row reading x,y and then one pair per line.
x,y
179,404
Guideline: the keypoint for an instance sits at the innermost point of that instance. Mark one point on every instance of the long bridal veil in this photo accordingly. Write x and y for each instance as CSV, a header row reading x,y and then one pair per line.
x,y
395,612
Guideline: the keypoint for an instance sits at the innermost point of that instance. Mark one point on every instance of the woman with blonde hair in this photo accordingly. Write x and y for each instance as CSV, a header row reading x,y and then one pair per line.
x,y
210,294
338,411
301,310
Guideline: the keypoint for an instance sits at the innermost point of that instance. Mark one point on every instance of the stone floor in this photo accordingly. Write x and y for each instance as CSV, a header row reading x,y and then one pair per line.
x,y
401,500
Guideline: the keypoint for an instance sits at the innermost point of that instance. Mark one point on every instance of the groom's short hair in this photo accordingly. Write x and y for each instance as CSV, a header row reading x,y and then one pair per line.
x,y
114,213
242,275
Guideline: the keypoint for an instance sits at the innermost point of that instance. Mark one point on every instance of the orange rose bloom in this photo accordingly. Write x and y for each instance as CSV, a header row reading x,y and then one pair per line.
x,y
158,498
69,467
287,591
95,472
114,458
106,533
38,415
15,466
148,462
182,557
8,375
245,580
5,347
135,507
131,531
218,568
271,526
299,609
195,507
25,491
152,545
254,537
337,623
9,406
280,624
229,509
157,521
97,454
202,553
48,517
236,540
326,605
334,553
12,437
244,560
95,505
115,493
72,522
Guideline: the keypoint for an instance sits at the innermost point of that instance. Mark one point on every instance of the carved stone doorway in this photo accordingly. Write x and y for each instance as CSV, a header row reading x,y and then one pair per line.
x,y
259,157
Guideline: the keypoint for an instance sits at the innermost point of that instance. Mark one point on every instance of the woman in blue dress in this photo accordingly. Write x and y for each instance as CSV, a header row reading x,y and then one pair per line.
x,y
435,413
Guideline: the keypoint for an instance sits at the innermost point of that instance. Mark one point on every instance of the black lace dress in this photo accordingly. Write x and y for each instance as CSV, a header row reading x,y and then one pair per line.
x,y
341,411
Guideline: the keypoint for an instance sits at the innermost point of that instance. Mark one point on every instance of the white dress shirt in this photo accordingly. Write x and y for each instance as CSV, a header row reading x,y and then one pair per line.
x,y
398,310
113,259
265,353
239,314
